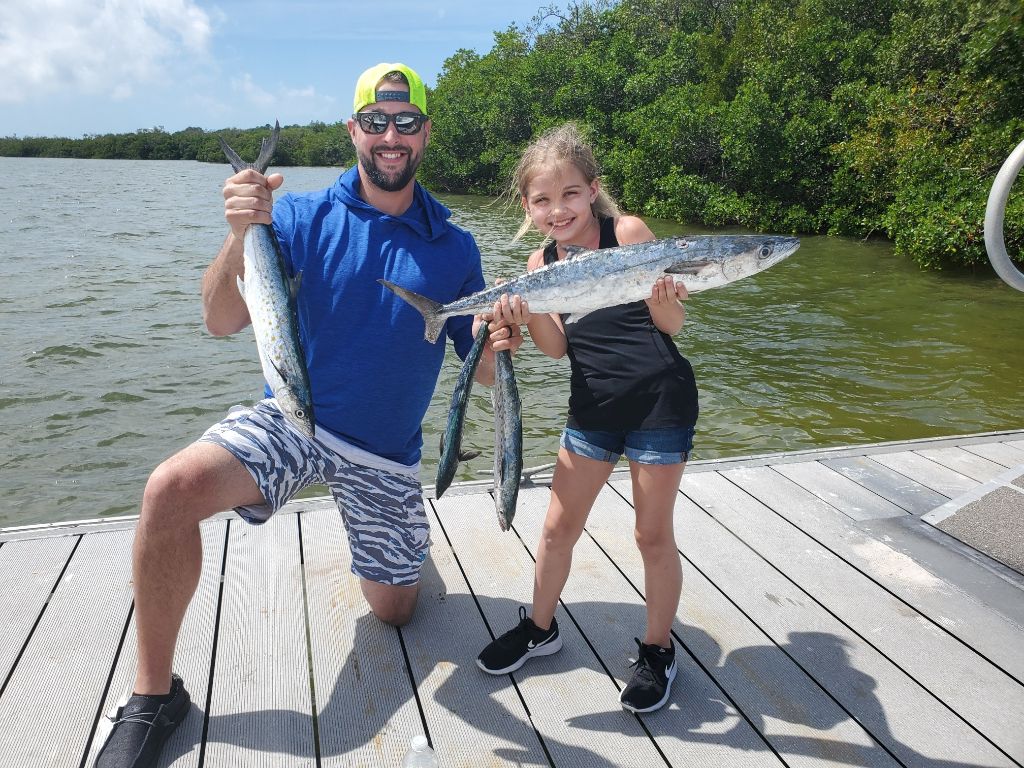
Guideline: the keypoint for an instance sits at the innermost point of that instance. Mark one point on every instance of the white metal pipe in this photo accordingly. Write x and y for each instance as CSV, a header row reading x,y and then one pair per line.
x,y
994,211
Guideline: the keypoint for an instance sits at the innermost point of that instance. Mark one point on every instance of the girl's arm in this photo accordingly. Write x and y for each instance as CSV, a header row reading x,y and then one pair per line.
x,y
667,313
546,329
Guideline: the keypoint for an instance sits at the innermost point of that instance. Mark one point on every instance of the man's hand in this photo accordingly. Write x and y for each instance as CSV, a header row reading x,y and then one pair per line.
x,y
249,199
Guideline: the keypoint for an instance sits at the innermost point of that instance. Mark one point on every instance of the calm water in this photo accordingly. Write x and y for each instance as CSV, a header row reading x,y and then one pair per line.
x,y
105,368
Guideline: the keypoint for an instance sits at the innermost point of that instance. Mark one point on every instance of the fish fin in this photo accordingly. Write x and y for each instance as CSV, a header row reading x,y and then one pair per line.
x,y
575,251
280,373
237,163
267,148
430,309
241,286
686,267
294,284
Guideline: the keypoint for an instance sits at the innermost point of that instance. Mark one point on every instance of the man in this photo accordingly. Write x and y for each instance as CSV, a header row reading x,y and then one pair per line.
x,y
372,377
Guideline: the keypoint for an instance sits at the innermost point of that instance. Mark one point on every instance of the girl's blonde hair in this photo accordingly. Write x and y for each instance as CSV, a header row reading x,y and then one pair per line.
x,y
561,144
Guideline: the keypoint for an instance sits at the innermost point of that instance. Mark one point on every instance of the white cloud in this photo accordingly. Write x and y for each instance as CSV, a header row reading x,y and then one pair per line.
x,y
252,92
105,47
298,100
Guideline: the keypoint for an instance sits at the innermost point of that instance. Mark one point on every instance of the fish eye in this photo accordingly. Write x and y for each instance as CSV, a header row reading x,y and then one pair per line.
x,y
766,251
299,413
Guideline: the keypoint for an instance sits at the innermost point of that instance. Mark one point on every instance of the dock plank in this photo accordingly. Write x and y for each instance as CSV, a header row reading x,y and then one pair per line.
x,y
966,653
552,687
978,626
806,637
72,649
193,659
366,706
1001,453
260,711
941,676
840,492
888,483
965,462
928,473
474,719
696,727
35,566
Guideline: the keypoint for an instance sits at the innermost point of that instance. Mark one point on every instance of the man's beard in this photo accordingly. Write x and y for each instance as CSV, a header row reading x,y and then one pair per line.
x,y
383,181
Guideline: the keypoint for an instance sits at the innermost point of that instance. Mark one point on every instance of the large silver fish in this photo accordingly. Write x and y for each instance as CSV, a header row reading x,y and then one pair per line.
x,y
451,440
588,280
508,439
269,294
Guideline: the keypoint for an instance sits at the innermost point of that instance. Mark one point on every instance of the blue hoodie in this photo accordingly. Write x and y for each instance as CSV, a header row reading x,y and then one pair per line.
x,y
371,371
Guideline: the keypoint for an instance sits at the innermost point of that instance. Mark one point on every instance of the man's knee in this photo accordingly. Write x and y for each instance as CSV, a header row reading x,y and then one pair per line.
x,y
394,605
165,489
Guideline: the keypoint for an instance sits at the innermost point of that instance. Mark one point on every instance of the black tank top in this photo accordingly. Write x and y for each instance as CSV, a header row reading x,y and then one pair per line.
x,y
626,374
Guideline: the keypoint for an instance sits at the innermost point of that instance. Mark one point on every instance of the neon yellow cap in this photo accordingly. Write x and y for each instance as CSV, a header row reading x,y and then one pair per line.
x,y
366,86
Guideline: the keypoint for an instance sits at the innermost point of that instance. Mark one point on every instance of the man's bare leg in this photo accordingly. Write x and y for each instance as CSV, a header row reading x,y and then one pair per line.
x,y
167,555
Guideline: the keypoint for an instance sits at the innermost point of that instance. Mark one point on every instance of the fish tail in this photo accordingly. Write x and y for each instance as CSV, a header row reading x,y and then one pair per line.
x,y
267,149
430,309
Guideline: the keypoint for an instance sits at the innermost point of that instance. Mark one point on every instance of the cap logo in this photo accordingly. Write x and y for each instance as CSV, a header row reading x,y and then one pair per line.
x,y
392,96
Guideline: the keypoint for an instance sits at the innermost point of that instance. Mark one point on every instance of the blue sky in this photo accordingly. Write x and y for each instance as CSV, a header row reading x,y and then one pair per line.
x,y
78,67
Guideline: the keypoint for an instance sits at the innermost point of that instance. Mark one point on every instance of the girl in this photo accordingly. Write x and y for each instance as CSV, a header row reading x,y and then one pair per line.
x,y
630,392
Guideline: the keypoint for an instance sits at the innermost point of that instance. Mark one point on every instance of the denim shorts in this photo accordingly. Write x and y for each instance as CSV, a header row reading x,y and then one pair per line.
x,y
644,446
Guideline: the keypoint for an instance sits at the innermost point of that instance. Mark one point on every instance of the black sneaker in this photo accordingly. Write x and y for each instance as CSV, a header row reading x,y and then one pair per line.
x,y
140,726
651,684
525,641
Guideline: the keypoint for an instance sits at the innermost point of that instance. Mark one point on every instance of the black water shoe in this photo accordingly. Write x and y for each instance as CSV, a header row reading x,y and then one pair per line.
x,y
140,726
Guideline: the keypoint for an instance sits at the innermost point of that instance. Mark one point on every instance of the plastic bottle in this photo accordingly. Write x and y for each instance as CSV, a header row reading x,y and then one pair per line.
x,y
420,755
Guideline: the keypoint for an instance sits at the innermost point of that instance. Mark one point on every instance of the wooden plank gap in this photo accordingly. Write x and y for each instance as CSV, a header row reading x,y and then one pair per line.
x,y
86,748
309,643
216,639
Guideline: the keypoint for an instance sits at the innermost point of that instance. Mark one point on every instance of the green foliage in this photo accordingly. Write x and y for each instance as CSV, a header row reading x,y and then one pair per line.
x,y
833,116
315,144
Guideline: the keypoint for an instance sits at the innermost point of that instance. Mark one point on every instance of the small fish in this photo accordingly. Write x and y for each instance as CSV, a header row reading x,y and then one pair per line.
x,y
451,440
270,294
508,439
588,280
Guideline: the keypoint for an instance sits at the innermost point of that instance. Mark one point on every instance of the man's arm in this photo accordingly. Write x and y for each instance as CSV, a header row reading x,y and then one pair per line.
x,y
224,310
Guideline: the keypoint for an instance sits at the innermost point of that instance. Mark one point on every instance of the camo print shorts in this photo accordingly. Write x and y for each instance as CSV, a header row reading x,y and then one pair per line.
x,y
381,503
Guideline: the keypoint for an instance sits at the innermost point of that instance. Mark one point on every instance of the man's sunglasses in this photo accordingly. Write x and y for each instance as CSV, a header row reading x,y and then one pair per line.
x,y
406,123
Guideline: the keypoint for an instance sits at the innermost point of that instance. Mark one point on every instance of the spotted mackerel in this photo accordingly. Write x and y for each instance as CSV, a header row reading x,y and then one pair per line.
x,y
451,440
270,294
508,439
587,280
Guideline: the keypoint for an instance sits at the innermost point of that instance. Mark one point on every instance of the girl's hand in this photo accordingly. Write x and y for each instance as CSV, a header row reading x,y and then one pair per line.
x,y
512,309
500,335
666,290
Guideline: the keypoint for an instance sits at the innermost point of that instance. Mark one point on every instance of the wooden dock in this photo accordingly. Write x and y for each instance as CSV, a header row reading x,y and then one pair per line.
x,y
825,621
